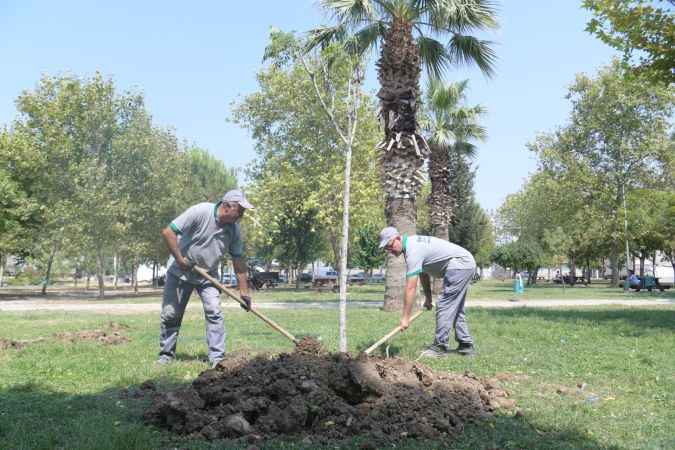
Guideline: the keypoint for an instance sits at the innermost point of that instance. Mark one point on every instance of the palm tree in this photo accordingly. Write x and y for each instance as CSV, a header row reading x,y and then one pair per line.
x,y
405,30
451,128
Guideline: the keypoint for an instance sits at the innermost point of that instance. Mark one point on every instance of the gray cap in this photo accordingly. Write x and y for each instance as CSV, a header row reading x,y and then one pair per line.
x,y
386,235
235,195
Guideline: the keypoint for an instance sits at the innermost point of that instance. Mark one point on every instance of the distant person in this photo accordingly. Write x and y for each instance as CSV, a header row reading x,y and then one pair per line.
x,y
633,280
201,235
427,255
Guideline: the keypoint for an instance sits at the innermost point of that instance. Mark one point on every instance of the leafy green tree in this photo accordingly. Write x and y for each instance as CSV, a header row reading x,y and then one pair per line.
x,y
208,178
366,252
640,30
617,141
20,209
405,30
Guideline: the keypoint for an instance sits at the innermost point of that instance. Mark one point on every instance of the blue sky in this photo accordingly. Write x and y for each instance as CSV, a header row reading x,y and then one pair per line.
x,y
192,59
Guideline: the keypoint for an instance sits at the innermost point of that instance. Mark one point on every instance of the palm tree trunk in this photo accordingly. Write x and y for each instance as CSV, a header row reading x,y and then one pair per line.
x,y
439,200
403,217
403,149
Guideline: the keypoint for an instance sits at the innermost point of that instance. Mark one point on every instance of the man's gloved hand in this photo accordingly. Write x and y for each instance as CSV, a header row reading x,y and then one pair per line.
x,y
428,305
246,299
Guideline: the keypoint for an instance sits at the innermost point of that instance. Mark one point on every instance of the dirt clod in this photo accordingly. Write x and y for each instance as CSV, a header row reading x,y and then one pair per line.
x,y
310,346
10,344
321,398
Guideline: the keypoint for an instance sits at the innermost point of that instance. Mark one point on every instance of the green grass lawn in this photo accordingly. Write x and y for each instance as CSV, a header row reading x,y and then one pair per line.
x,y
56,395
481,290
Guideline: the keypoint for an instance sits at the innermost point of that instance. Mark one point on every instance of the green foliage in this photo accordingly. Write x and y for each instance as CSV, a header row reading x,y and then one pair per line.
x,y
105,178
20,209
362,24
639,29
518,255
365,252
208,178
300,154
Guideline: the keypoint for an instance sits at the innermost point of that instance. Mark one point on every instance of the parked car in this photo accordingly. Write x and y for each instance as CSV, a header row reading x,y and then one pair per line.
x,y
229,279
376,278
306,277
356,277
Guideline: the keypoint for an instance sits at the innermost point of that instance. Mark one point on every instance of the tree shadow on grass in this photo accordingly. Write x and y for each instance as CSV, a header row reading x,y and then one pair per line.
x,y
33,416
636,319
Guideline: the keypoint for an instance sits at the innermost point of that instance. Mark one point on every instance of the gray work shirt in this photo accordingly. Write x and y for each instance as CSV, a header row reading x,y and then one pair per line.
x,y
204,241
434,256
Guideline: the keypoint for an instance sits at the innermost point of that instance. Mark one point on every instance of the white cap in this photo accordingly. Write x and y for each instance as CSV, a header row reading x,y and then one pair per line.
x,y
386,235
237,196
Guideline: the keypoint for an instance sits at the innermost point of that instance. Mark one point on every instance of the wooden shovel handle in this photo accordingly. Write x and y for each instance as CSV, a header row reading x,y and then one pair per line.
x,y
391,334
236,298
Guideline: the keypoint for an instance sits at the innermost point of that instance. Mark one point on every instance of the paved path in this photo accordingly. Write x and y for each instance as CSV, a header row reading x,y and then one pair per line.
x,y
133,308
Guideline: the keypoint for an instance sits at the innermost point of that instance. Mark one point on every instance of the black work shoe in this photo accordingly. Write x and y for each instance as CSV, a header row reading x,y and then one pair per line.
x,y
434,351
466,349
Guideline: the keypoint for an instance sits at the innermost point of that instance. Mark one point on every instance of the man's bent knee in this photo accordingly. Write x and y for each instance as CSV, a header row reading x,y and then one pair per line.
x,y
168,316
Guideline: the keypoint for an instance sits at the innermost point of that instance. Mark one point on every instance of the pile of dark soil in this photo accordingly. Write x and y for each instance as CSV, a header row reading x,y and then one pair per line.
x,y
324,398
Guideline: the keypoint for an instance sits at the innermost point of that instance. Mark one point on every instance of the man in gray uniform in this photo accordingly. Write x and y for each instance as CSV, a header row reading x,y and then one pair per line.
x,y
201,236
427,255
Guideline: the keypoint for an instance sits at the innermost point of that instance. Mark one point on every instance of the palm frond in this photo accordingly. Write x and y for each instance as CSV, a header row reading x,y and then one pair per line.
x,y
443,137
324,36
464,148
434,56
466,50
351,12
366,39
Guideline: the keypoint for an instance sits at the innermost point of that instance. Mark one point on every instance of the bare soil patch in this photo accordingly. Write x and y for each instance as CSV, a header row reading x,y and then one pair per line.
x,y
323,398
112,335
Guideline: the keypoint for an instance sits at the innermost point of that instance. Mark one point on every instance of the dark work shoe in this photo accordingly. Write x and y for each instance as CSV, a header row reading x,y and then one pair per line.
x,y
466,349
434,351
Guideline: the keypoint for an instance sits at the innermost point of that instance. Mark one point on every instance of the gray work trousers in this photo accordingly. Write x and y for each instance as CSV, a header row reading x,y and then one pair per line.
x,y
450,307
175,299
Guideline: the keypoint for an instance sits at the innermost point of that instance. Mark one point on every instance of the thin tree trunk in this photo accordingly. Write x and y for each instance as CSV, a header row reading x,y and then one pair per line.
x,y
573,270
642,269
2,268
135,274
614,263
48,274
100,272
115,270
86,288
344,246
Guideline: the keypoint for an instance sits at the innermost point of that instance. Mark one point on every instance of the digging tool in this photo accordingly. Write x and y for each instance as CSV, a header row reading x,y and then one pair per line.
x,y
236,298
391,334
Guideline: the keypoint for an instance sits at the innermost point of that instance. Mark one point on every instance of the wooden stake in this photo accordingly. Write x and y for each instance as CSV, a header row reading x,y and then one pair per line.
x,y
236,298
391,334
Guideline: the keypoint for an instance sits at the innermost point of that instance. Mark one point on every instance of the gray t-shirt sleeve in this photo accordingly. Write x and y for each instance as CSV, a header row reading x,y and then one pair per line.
x,y
187,221
413,262
236,244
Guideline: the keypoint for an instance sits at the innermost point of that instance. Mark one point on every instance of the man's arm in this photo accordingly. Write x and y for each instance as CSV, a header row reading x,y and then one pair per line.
x,y
171,240
241,270
426,287
408,300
